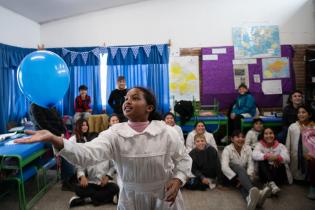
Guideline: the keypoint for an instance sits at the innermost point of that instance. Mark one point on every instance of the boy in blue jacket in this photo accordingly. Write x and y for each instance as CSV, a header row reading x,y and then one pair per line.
x,y
245,106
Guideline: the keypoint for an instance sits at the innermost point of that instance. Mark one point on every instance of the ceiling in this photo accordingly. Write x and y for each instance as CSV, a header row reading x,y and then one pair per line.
x,y
43,11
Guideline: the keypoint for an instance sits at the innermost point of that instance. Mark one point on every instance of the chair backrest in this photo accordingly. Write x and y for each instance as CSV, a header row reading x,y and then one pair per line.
x,y
98,123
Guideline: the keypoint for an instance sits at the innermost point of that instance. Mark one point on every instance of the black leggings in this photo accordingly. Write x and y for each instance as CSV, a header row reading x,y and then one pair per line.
x,y
268,172
235,124
97,193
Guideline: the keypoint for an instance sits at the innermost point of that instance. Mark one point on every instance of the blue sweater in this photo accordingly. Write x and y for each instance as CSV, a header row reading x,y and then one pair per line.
x,y
245,104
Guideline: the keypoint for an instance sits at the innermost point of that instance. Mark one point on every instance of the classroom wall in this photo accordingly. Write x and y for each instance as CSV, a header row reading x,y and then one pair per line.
x,y
187,23
17,30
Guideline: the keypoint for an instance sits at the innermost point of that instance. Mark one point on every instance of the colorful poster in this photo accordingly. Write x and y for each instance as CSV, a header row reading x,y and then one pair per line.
x,y
256,42
275,68
184,78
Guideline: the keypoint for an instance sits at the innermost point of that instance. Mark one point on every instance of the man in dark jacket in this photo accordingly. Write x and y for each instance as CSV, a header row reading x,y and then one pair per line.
x,y
117,97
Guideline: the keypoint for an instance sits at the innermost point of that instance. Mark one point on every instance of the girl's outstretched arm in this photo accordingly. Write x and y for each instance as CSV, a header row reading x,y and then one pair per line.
x,y
41,136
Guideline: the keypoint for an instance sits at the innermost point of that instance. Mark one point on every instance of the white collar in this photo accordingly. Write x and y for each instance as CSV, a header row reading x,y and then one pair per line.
x,y
154,128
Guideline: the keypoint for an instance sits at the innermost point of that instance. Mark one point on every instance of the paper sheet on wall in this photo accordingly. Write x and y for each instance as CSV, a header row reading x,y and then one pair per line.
x,y
240,75
270,87
218,50
184,78
210,57
256,78
245,61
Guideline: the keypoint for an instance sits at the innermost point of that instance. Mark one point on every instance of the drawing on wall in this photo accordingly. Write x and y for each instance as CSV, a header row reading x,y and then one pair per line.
x,y
256,41
184,78
240,75
275,68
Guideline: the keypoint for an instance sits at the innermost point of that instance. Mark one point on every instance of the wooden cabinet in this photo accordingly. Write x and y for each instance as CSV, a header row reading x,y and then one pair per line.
x,y
310,76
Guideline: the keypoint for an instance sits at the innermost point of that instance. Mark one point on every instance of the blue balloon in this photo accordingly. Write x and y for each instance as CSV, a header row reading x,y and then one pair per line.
x,y
43,77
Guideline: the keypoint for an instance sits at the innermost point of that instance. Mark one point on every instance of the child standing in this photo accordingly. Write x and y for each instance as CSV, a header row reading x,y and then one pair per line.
x,y
302,163
94,181
200,128
206,165
117,97
273,158
238,167
294,143
141,149
251,138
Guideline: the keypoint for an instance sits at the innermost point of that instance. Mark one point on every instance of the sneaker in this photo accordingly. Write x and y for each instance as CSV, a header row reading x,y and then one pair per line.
x,y
274,188
115,199
311,194
76,201
252,198
263,194
212,184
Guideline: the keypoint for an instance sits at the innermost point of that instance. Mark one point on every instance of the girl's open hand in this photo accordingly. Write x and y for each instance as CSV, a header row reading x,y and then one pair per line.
x,y
37,136
41,136
171,189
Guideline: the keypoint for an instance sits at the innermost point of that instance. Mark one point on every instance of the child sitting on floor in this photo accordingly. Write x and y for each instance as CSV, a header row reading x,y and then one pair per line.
x,y
200,128
251,138
273,158
113,119
94,185
206,165
238,167
169,119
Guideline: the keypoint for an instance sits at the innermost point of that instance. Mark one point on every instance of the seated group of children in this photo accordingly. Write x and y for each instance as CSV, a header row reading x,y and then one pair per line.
x,y
259,155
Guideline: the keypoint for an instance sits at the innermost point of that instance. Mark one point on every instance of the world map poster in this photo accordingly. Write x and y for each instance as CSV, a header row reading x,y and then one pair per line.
x,y
275,68
256,42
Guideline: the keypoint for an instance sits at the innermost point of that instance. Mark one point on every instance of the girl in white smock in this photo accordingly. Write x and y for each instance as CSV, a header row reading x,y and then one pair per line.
x,y
141,149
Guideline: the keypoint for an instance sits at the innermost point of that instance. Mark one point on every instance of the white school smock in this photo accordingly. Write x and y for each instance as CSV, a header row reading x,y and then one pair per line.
x,y
180,132
230,155
292,144
190,143
142,160
97,171
251,138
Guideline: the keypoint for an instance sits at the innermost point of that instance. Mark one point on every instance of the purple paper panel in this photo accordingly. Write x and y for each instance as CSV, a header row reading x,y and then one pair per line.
x,y
218,79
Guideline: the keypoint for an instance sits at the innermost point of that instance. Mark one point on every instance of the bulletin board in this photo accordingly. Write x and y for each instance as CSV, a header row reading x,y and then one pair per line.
x,y
218,77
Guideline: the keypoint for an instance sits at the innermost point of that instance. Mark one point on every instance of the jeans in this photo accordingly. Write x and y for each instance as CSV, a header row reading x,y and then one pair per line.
x,y
246,183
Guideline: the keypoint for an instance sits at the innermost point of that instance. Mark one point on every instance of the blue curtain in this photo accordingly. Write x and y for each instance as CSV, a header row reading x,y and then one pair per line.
x,y
13,104
145,66
87,73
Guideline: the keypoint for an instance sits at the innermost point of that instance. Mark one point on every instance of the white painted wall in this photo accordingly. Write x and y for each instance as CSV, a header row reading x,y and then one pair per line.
x,y
17,30
189,23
